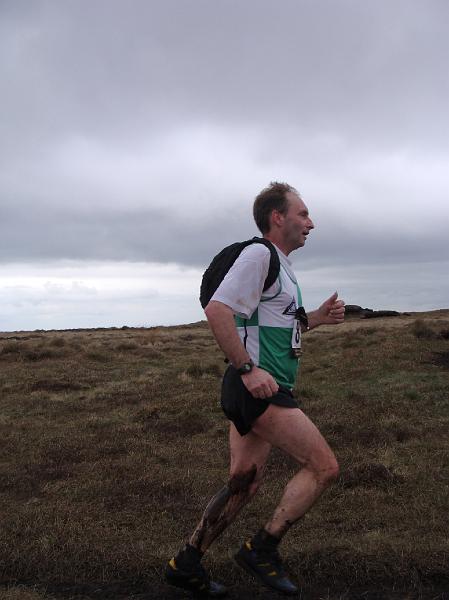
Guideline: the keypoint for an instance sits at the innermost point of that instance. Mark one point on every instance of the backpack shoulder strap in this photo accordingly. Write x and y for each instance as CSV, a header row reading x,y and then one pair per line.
x,y
224,260
275,265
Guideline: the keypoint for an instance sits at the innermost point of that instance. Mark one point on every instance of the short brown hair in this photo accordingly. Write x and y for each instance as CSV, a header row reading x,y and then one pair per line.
x,y
271,198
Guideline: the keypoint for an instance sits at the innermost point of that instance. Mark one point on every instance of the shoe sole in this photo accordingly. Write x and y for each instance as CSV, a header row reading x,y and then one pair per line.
x,y
248,568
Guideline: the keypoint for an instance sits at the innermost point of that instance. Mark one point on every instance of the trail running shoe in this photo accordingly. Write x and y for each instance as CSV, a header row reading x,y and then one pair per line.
x,y
266,565
195,580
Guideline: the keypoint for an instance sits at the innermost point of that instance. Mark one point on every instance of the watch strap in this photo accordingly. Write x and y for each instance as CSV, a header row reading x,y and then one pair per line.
x,y
245,368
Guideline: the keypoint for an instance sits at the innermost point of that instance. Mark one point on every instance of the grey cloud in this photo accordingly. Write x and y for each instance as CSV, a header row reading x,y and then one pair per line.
x,y
116,70
102,103
161,236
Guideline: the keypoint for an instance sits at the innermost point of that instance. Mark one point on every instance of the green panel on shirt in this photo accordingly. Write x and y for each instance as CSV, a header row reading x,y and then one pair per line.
x,y
249,322
299,295
275,354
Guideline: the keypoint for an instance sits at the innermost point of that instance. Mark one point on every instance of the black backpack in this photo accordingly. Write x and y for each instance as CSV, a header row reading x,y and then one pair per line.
x,y
220,265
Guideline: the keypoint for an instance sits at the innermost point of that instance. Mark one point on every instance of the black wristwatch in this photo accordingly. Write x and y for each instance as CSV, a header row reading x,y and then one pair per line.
x,y
246,368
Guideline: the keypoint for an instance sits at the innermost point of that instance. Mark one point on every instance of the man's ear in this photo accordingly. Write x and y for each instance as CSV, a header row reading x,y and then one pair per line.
x,y
277,218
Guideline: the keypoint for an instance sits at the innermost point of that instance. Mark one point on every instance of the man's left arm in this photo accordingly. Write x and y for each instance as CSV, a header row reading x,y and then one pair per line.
x,y
331,312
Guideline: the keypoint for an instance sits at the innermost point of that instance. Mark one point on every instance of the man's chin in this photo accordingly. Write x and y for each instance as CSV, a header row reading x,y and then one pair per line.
x,y
300,244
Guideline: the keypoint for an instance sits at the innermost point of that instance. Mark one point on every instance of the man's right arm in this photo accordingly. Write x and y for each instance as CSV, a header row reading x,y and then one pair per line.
x,y
258,382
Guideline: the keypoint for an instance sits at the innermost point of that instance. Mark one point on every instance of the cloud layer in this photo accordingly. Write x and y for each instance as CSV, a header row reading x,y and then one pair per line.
x,y
141,133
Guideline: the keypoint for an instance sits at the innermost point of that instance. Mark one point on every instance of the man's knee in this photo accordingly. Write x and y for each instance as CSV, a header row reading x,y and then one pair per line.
x,y
245,481
332,470
238,490
326,470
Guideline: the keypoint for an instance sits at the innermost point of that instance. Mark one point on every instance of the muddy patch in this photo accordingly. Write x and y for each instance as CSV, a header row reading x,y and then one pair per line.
x,y
440,359
183,425
56,386
369,475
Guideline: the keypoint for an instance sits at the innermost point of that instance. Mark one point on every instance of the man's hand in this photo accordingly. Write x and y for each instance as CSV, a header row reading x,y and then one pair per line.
x,y
260,383
332,311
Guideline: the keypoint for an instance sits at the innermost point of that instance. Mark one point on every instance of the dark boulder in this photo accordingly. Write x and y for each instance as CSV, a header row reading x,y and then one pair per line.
x,y
381,313
354,309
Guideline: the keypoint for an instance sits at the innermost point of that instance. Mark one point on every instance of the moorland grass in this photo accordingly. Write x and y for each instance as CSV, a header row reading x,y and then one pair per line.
x,y
112,441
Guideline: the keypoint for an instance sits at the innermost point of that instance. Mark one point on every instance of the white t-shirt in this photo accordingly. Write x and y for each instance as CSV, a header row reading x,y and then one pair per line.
x,y
266,321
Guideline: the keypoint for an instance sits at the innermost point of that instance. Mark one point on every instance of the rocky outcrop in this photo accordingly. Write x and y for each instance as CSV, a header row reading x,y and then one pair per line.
x,y
368,313
381,313
354,309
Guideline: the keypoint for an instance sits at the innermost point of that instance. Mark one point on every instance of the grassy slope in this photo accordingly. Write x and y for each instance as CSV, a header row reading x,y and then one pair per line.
x,y
112,441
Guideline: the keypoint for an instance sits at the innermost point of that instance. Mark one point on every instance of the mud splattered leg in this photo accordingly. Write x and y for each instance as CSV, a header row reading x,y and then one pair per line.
x,y
292,431
224,507
300,494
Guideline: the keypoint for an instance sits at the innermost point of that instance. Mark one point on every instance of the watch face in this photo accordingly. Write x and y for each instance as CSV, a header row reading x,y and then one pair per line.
x,y
247,367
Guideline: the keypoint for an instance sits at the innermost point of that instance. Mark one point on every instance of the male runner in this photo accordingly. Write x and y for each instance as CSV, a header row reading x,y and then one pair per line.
x,y
260,332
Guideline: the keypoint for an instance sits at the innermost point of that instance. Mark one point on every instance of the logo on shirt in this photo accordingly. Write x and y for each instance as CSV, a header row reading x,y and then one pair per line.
x,y
291,309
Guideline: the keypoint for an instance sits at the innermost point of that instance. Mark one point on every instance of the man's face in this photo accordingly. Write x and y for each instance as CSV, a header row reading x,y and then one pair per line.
x,y
297,223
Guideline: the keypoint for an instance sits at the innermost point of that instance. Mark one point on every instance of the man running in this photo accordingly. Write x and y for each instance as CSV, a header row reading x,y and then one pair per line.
x,y
259,332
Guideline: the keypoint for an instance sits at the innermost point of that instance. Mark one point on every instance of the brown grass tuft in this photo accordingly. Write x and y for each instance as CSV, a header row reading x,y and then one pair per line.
x,y
128,345
98,354
197,369
184,424
441,359
10,348
56,385
423,329
369,474
41,352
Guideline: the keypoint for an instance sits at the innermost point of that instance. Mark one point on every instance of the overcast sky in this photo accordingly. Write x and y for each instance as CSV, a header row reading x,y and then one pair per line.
x,y
134,137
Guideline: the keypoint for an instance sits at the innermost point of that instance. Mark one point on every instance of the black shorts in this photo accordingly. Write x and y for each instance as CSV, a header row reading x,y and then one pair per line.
x,y
241,407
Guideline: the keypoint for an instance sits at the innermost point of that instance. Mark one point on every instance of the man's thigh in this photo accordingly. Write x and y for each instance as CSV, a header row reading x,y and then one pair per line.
x,y
292,431
247,451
